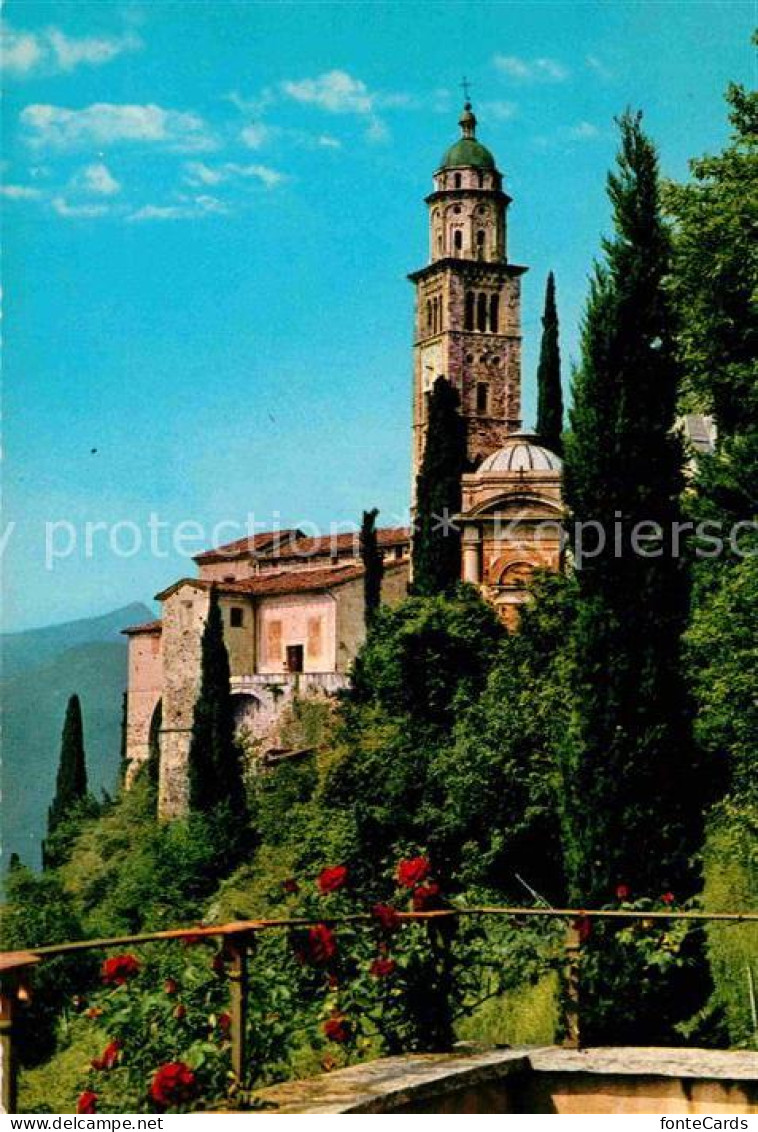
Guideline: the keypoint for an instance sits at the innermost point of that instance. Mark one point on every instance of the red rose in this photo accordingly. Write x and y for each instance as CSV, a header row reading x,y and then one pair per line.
x,y
583,926
337,1029
119,969
322,944
623,892
87,1103
426,898
108,1058
172,1085
225,1022
383,968
290,885
668,898
412,871
180,1012
329,880
171,986
387,917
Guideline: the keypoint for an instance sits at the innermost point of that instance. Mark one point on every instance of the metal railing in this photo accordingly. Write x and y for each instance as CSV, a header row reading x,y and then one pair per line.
x,y
17,966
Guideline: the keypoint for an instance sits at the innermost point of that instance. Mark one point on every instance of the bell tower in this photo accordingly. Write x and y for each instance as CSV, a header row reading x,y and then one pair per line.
x,y
467,317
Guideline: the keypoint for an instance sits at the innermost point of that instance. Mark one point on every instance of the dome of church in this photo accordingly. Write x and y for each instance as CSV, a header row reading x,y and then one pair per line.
x,y
521,453
468,151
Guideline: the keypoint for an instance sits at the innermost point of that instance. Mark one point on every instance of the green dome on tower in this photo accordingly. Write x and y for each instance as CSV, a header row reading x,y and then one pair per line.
x,y
467,150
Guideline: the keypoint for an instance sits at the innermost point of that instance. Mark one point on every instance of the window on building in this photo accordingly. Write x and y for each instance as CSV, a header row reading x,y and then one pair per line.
x,y
294,658
480,175
482,397
236,617
468,316
480,243
481,312
457,241
457,180
428,315
494,313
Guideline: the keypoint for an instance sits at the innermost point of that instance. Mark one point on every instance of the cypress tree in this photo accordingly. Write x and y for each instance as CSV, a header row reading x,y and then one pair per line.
x,y
437,539
71,780
373,564
634,785
549,391
215,760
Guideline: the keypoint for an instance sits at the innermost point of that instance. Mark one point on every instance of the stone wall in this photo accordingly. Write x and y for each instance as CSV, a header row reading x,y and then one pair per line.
x,y
145,685
184,615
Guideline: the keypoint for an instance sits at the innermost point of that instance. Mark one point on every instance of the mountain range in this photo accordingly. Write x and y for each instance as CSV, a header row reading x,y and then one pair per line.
x,y
41,668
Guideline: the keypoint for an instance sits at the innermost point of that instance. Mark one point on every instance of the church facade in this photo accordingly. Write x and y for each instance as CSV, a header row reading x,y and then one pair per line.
x,y
292,606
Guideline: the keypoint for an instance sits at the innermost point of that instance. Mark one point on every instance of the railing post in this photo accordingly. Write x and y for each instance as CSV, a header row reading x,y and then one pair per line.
x,y
572,949
9,1066
238,975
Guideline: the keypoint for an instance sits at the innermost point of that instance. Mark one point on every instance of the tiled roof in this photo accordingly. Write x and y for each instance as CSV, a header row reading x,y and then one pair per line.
x,y
283,581
144,627
293,544
251,544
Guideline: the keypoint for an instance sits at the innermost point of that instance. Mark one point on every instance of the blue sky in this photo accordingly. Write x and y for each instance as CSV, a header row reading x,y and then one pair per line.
x,y
209,212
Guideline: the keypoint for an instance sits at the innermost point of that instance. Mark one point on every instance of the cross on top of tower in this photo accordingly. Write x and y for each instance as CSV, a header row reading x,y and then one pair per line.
x,y
466,88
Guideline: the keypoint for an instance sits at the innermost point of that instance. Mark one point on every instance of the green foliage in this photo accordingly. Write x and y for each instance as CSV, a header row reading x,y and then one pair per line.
x,y
715,276
373,564
731,882
215,760
632,774
549,390
71,782
500,779
39,911
436,541
428,657
640,981
129,873
723,666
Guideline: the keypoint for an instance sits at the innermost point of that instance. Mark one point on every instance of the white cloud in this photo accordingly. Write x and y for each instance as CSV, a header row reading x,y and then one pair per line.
x,y
52,50
106,123
198,173
20,192
326,141
21,51
69,52
583,131
97,178
335,91
255,135
78,211
531,70
497,110
186,209
599,67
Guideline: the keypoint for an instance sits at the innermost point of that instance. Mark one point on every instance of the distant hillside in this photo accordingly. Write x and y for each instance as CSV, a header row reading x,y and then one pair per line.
x,y
42,668
21,651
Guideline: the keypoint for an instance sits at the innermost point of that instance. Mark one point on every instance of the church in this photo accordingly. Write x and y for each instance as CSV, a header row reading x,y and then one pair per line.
x,y
292,605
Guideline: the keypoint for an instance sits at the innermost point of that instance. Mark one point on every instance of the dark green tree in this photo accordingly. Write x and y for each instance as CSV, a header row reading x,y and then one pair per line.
x,y
373,564
215,760
549,391
715,273
437,540
634,783
71,780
